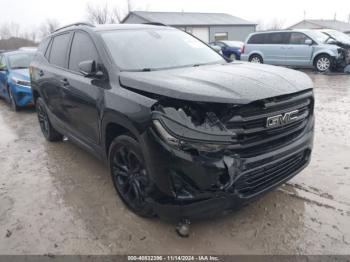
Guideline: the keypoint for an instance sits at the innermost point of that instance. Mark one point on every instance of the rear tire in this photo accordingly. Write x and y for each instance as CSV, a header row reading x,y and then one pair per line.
x,y
323,63
129,174
233,57
257,59
47,129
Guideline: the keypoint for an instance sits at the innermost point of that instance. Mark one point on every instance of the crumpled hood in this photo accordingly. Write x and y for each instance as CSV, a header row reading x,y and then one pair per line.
x,y
22,74
237,82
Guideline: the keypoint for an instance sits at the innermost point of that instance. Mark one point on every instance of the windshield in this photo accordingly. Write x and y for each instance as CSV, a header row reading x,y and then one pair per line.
x,y
20,60
338,36
318,36
155,49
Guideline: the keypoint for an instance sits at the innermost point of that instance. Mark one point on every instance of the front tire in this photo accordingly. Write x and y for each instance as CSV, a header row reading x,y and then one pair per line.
x,y
323,63
13,104
47,129
129,174
257,59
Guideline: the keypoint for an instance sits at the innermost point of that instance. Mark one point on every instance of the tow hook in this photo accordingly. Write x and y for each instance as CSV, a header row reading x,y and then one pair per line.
x,y
183,228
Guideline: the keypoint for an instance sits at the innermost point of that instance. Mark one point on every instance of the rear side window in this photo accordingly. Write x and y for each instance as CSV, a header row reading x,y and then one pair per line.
x,y
257,39
43,45
276,38
59,50
83,49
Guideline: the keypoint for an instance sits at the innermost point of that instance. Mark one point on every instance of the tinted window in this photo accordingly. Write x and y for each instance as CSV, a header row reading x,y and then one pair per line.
x,y
157,49
59,50
257,39
43,45
47,53
83,49
297,39
276,38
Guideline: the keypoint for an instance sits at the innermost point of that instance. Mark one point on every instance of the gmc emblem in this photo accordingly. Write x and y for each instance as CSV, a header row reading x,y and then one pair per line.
x,y
282,119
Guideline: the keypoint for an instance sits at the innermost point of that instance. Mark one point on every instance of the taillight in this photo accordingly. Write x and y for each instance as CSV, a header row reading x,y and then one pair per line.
x,y
242,49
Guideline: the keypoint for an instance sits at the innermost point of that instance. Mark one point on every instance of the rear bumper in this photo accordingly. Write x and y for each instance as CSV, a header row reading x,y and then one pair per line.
x,y
200,187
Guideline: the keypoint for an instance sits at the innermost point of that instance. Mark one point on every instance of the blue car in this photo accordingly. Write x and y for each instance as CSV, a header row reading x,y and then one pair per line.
x,y
14,78
230,49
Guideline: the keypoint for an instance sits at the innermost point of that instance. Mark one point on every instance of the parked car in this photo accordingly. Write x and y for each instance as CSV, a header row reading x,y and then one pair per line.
x,y
185,133
230,49
14,78
297,48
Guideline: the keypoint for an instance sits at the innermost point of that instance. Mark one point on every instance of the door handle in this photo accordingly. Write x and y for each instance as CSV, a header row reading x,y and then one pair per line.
x,y
64,82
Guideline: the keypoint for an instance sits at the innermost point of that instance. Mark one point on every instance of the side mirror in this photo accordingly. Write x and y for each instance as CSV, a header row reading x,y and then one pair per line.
x,y
331,42
308,42
88,68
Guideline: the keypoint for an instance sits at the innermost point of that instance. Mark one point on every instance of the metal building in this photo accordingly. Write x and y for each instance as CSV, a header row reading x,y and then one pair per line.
x,y
206,26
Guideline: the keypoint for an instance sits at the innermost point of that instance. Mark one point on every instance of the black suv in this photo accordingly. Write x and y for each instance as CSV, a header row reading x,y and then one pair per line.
x,y
186,134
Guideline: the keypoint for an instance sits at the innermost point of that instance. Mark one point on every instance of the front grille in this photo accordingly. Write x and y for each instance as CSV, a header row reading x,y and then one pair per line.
x,y
249,123
253,182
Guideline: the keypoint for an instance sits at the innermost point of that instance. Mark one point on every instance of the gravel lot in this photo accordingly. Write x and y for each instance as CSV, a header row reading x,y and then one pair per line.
x,y
56,198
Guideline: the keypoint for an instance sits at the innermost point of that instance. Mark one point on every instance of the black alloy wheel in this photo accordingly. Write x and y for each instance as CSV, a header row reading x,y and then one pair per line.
x,y
47,129
129,174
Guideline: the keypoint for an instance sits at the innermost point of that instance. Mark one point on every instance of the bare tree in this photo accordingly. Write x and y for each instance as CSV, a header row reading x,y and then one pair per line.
x,y
98,14
8,30
103,14
47,27
275,24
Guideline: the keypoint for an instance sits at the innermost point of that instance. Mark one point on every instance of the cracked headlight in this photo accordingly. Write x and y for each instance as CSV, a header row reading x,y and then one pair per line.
x,y
168,138
185,144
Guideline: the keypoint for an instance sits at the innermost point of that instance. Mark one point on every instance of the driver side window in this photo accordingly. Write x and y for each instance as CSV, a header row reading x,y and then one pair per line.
x,y
83,49
297,39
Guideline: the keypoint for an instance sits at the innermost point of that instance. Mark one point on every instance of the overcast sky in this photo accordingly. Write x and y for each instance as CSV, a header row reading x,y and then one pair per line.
x,y
29,13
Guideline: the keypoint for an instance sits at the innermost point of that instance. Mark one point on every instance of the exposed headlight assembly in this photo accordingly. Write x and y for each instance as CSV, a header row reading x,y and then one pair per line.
x,y
186,144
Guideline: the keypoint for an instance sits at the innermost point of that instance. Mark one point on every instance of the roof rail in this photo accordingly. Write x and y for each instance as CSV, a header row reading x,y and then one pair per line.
x,y
155,23
75,24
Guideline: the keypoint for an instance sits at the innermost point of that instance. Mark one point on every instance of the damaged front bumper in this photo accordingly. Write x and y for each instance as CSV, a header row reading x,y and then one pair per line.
x,y
195,185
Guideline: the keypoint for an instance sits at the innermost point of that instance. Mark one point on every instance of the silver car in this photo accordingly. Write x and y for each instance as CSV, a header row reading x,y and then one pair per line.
x,y
297,48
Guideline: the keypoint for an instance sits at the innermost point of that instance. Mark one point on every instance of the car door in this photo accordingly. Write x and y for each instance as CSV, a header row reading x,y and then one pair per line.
x,y
82,95
3,76
51,74
300,49
274,48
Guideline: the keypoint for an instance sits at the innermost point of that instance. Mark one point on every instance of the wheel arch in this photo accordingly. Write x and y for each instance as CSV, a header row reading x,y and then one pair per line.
x,y
113,126
36,95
